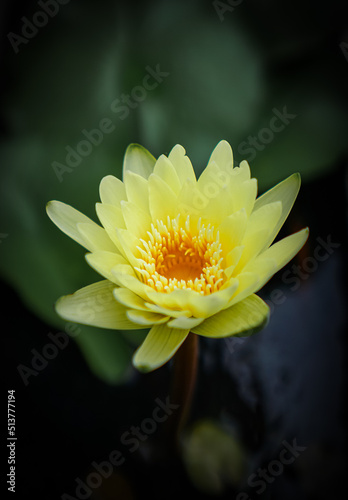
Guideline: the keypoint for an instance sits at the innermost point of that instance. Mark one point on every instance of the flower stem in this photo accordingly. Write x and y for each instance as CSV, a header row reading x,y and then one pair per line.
x,y
182,390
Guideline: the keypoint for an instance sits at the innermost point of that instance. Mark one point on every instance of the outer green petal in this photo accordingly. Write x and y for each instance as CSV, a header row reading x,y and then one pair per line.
x,y
66,218
137,159
159,346
286,192
245,318
95,305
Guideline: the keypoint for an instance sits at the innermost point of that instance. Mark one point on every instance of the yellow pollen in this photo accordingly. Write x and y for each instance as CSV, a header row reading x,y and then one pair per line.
x,y
174,257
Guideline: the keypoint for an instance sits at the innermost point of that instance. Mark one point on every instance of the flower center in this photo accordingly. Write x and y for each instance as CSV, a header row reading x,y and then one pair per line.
x,y
174,257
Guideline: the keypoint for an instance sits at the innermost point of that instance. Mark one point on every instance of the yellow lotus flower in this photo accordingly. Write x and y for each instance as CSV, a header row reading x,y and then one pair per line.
x,y
179,254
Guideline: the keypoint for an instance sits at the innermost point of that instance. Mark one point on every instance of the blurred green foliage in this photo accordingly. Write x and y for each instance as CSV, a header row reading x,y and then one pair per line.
x,y
214,458
225,78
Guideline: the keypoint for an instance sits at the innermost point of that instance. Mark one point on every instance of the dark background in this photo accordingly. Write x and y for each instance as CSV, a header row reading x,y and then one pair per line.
x,y
226,76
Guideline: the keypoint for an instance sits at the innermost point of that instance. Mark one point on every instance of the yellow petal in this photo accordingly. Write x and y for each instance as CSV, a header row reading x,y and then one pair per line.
x,y
185,323
137,221
146,318
159,346
247,284
190,201
125,277
95,305
222,155
243,171
286,192
245,195
265,217
253,243
137,159
173,313
232,259
245,318
200,306
66,218
96,237
281,253
214,195
203,306
232,230
165,170
127,244
103,262
112,191
263,268
129,299
182,164
162,199
220,199
137,190
111,217
260,225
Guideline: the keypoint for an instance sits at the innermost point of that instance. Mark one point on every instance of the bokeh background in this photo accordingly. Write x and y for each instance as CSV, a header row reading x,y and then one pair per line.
x,y
223,70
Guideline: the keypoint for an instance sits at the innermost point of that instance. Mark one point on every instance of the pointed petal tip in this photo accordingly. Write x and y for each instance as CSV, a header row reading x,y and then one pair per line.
x,y
297,177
